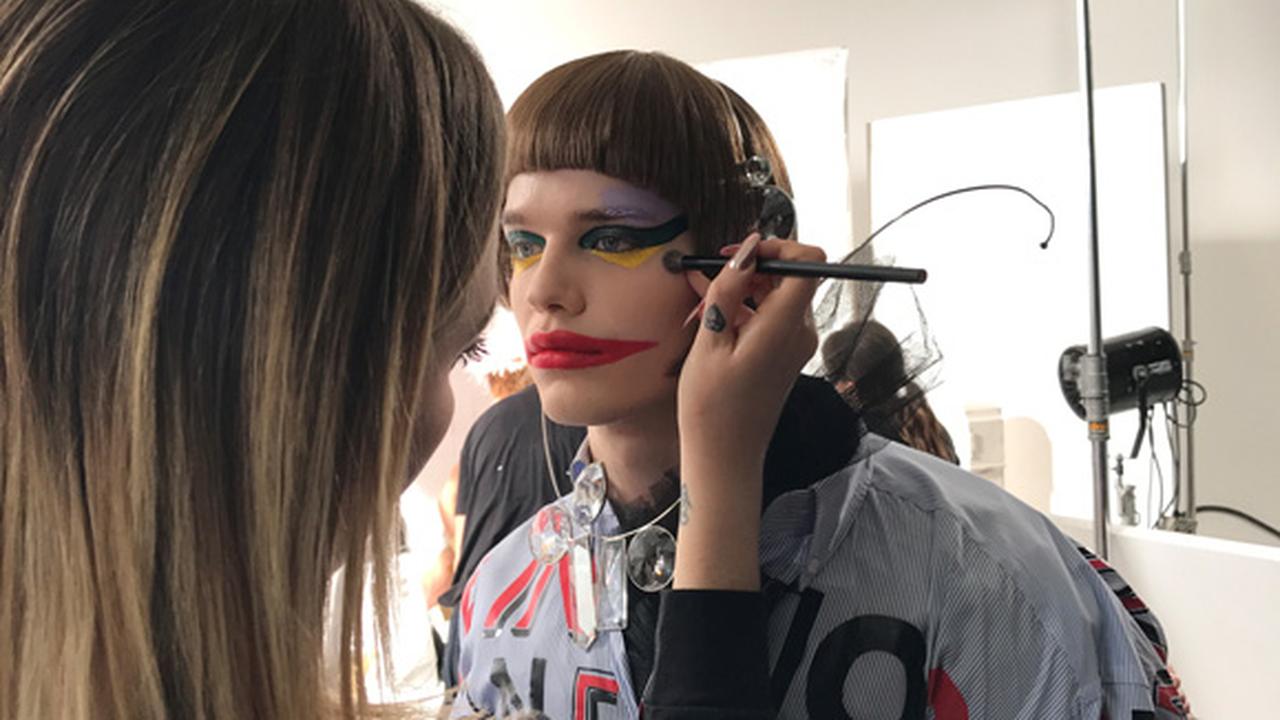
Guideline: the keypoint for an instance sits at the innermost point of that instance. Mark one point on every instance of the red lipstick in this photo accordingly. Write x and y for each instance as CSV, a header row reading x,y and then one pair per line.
x,y
564,350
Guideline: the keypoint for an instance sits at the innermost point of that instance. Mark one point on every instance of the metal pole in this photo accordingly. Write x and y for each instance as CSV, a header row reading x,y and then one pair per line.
x,y
1188,522
1093,376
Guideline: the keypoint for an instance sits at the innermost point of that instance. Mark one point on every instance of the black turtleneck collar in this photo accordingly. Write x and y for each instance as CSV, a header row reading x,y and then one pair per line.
x,y
817,434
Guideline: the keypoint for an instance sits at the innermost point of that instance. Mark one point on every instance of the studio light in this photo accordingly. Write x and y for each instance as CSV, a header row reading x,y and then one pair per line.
x,y
1144,368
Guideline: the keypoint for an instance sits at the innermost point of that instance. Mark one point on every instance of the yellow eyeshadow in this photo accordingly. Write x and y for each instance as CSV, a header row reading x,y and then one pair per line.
x,y
630,259
522,264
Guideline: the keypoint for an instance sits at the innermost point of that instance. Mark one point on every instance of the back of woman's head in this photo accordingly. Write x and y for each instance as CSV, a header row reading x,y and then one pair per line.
x,y
230,232
864,359
868,355
654,122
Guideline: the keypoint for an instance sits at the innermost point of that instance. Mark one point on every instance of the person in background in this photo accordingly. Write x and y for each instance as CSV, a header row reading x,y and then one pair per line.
x,y
865,362
242,244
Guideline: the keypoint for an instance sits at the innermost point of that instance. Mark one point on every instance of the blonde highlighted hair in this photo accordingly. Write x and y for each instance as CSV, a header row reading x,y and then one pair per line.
x,y
230,233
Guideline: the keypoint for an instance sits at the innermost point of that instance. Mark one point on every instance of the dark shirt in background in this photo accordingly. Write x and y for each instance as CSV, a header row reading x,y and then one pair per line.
x,y
503,478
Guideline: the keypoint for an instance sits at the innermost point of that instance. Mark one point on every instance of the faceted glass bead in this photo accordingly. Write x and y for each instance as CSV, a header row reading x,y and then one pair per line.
x,y
757,170
549,535
588,494
651,558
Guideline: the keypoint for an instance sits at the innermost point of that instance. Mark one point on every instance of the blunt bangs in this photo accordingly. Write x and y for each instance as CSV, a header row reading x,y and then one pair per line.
x,y
649,120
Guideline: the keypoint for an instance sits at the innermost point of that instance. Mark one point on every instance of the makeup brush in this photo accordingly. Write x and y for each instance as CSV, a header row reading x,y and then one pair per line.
x,y
710,266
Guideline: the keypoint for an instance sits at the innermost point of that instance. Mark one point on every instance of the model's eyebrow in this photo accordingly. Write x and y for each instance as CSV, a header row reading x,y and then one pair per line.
x,y
617,212
608,213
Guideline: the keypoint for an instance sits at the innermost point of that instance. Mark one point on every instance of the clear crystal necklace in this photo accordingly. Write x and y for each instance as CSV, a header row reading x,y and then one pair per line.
x,y
650,550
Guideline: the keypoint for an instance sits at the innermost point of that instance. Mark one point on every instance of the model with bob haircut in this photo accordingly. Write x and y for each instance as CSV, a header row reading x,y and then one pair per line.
x,y
803,543
241,245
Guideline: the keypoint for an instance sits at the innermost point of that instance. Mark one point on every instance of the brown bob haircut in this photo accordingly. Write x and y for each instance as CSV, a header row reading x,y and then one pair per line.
x,y
654,122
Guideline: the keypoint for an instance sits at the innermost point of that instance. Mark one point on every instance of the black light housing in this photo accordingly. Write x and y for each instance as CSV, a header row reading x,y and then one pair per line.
x,y
1144,368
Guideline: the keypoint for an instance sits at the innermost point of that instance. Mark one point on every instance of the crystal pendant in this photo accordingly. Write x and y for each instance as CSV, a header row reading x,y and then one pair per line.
x,y
651,558
582,588
588,494
611,583
549,535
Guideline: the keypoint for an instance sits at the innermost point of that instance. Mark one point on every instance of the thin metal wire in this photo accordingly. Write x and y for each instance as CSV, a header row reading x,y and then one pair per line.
x,y
647,525
551,473
546,453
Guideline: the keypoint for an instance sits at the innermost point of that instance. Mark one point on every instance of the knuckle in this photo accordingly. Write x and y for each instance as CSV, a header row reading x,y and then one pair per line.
x,y
800,251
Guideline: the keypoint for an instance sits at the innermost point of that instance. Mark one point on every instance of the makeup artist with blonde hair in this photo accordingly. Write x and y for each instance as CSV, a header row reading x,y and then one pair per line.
x,y
241,245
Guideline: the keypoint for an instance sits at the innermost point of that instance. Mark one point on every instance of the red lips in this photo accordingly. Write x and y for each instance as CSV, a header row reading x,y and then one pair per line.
x,y
564,350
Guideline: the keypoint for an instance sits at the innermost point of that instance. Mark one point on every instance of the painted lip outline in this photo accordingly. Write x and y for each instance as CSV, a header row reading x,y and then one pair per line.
x,y
564,350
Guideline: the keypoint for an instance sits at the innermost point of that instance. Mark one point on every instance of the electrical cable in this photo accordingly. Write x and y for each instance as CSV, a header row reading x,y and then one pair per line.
x,y
1053,222
1242,515
1189,403
1155,459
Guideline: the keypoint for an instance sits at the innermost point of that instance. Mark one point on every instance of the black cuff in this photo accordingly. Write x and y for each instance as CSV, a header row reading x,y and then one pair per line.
x,y
712,657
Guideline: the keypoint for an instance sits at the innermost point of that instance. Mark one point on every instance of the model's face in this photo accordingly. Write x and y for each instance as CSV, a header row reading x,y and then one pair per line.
x,y
602,319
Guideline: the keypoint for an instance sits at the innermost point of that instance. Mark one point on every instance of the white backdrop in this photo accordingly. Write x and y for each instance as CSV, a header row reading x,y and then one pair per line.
x,y
1001,308
801,97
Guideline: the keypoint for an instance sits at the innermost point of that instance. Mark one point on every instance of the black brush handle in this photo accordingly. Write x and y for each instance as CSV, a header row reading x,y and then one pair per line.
x,y
877,273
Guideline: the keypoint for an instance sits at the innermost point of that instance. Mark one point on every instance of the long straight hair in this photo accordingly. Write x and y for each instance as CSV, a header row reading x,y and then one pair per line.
x,y
230,232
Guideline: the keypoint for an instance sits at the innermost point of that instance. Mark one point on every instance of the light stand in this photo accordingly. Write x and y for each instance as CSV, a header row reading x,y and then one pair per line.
x,y
1093,381
1185,471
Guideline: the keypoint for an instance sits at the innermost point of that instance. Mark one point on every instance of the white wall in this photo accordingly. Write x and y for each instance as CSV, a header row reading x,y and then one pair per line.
x,y
1226,658
1235,230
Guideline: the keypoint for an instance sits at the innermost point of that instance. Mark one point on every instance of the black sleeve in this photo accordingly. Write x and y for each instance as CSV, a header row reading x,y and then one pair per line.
x,y
466,473
712,657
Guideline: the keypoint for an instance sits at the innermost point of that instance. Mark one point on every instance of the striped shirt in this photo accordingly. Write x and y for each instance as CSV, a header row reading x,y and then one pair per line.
x,y
900,586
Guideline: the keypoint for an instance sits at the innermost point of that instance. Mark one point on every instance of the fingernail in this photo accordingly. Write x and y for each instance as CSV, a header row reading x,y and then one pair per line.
x,y
697,310
746,255
714,321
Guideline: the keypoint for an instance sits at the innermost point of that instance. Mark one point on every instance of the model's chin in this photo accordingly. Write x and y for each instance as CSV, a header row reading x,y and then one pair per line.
x,y
565,406
575,400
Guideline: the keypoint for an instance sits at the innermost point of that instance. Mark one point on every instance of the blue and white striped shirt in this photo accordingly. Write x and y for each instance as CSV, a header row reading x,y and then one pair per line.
x,y
908,588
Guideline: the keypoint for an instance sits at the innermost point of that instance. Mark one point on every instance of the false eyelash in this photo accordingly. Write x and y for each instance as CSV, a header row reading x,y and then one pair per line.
x,y
475,352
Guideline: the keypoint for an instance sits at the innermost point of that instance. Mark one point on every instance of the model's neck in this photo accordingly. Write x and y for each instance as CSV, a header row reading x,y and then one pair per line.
x,y
640,454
